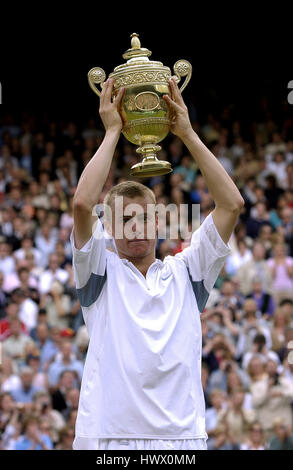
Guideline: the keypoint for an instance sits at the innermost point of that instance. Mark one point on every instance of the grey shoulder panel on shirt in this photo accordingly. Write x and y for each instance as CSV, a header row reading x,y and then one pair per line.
x,y
88,294
200,292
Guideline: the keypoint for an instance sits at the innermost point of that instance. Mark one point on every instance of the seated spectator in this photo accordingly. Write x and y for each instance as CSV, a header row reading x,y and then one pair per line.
x,y
32,438
26,281
54,272
15,345
257,266
238,258
187,169
64,361
279,324
9,378
200,188
259,348
236,417
12,311
45,243
255,440
7,263
27,247
286,305
265,238
259,217
217,351
57,305
60,251
275,214
221,440
42,319
278,168
24,394
220,320
286,226
28,309
272,397
35,269
217,398
10,425
234,381
229,297
264,301
282,438
256,369
66,219
66,437
40,379
49,418
250,326
72,400
66,382
281,267
219,376
48,349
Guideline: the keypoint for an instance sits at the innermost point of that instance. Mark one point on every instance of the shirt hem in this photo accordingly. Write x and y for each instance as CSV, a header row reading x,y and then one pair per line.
x,y
140,436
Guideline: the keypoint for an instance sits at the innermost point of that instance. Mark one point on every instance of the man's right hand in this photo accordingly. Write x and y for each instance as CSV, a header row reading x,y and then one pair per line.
x,y
110,110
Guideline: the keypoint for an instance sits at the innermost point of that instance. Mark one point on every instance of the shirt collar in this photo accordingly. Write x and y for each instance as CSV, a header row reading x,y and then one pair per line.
x,y
157,261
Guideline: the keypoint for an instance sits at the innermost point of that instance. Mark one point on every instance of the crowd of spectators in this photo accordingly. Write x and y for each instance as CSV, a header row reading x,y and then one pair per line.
x,y
247,325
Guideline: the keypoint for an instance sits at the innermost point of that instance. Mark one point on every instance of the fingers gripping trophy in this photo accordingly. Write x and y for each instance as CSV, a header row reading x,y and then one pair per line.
x,y
146,116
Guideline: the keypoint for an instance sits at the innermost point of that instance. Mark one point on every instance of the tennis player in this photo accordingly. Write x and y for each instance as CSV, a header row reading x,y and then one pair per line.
x,y
141,387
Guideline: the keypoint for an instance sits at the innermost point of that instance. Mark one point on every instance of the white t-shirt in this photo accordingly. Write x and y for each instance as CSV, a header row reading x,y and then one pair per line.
x,y
142,375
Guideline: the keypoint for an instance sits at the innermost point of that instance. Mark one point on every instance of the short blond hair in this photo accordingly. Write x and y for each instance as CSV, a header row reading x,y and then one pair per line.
x,y
130,189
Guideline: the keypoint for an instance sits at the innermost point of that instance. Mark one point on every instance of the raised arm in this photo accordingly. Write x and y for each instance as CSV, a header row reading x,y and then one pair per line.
x,y
94,175
228,200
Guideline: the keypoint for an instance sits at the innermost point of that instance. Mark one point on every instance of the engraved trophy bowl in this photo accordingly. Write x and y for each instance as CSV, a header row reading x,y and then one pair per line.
x,y
145,113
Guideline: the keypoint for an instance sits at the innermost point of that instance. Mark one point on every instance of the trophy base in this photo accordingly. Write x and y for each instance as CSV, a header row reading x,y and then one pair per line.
x,y
150,165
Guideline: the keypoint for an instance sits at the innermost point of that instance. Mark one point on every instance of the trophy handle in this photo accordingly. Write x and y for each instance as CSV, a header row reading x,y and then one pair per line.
x,y
96,76
182,68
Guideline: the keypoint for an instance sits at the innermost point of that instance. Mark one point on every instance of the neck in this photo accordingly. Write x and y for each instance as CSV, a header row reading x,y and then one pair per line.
x,y
142,264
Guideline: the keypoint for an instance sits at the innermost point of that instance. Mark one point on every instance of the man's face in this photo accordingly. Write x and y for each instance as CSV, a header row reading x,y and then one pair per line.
x,y
27,379
66,350
67,380
53,262
258,251
134,228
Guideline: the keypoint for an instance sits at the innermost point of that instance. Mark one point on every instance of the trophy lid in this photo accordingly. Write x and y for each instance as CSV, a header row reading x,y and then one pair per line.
x,y
137,56
136,50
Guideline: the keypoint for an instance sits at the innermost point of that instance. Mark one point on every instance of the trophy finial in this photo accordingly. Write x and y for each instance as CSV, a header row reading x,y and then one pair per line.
x,y
135,42
136,51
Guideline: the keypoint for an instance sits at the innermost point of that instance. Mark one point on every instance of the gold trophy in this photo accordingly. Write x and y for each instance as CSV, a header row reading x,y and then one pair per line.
x,y
145,113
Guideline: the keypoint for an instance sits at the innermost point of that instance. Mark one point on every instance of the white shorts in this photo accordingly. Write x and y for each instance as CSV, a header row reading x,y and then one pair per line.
x,y
84,443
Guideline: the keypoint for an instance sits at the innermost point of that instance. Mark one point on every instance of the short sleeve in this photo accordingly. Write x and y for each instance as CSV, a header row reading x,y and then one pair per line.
x,y
204,259
89,266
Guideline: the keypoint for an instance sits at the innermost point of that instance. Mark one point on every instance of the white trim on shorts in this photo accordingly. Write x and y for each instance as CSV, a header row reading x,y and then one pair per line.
x,y
85,443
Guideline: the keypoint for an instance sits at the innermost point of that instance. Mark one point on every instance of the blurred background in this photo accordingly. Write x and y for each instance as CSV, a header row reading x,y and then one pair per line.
x,y
49,130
